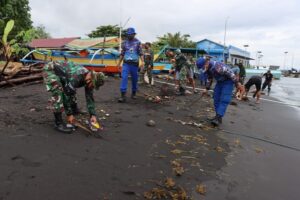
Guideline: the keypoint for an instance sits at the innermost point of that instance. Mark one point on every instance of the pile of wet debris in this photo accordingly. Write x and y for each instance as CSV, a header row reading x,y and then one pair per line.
x,y
18,73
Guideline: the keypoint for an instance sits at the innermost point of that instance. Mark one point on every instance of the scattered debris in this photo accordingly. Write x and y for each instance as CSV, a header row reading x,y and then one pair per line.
x,y
156,193
170,183
237,143
178,170
17,73
258,150
198,138
201,189
191,123
168,190
219,149
32,110
118,112
151,123
177,167
177,151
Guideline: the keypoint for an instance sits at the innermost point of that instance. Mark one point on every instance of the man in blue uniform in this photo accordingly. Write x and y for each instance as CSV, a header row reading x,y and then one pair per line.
x,y
226,80
130,54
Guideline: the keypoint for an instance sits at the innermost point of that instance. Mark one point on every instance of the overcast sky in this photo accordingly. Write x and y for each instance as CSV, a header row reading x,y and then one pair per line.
x,y
270,26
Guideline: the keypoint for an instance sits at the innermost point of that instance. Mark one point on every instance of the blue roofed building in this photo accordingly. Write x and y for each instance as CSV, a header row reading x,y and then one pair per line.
x,y
218,52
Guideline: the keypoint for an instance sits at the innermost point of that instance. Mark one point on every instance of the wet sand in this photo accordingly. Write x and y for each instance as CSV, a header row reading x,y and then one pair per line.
x,y
36,162
260,169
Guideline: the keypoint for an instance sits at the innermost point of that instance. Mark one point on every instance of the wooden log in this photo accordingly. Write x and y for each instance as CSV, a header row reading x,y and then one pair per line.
x,y
22,80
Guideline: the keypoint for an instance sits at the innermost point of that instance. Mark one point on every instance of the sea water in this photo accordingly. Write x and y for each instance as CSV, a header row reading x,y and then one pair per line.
x,y
287,90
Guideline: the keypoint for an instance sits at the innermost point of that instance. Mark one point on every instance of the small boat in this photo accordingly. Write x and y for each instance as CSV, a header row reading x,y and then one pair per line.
x,y
98,54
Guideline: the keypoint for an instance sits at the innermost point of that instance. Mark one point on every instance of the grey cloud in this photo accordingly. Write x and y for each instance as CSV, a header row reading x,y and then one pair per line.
x,y
270,25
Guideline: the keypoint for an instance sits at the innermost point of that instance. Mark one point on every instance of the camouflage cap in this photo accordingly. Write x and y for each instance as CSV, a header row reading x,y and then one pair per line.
x,y
177,51
98,79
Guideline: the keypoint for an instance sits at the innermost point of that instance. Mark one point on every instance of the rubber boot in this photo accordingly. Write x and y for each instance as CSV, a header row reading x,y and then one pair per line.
x,y
133,95
59,124
141,79
217,120
182,91
122,99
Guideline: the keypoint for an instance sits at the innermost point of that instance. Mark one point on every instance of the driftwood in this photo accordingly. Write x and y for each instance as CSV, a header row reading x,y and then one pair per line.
x,y
12,69
22,79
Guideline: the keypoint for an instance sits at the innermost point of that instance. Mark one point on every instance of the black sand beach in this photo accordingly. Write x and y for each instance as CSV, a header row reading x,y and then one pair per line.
x,y
36,162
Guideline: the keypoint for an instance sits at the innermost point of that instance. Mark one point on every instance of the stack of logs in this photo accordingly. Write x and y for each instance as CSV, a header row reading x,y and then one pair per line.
x,y
17,73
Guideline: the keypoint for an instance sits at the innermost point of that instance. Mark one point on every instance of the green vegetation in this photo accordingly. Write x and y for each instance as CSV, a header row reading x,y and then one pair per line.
x,y
6,49
173,40
106,31
19,11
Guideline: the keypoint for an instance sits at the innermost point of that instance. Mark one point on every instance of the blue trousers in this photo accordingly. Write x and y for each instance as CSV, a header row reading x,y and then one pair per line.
x,y
133,70
222,96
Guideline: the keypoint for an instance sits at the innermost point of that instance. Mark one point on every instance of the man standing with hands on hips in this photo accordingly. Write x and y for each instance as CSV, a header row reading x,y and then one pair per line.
x,y
130,54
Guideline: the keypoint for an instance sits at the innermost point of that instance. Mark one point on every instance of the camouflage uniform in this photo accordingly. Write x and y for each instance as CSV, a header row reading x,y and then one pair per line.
x,y
181,68
60,101
148,59
190,68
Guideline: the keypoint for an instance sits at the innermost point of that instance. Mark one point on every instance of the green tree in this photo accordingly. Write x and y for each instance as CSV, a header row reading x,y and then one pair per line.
x,y
106,31
41,33
6,48
23,38
174,40
19,11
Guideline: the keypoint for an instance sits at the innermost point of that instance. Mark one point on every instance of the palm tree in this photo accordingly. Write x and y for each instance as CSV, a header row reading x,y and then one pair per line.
x,y
175,40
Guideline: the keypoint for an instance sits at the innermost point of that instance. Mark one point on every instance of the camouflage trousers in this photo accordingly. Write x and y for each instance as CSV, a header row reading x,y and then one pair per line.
x,y
59,101
182,77
147,68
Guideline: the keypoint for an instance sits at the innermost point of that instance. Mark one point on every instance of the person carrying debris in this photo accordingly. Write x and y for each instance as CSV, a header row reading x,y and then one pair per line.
x,y
226,80
62,79
148,59
130,54
180,70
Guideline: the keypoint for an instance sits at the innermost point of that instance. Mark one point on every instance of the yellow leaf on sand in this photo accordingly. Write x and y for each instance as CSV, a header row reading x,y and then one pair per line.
x,y
237,142
201,189
219,149
169,183
258,150
175,163
176,151
178,170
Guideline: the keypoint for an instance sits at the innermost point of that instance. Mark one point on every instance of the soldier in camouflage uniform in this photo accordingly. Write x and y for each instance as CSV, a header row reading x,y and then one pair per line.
x,y
148,59
62,79
181,70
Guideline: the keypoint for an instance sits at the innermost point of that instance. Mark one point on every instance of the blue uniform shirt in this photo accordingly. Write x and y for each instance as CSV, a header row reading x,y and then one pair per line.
x,y
221,72
131,50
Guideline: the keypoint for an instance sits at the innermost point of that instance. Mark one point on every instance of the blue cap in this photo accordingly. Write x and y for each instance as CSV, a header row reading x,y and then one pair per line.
x,y
131,31
200,63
